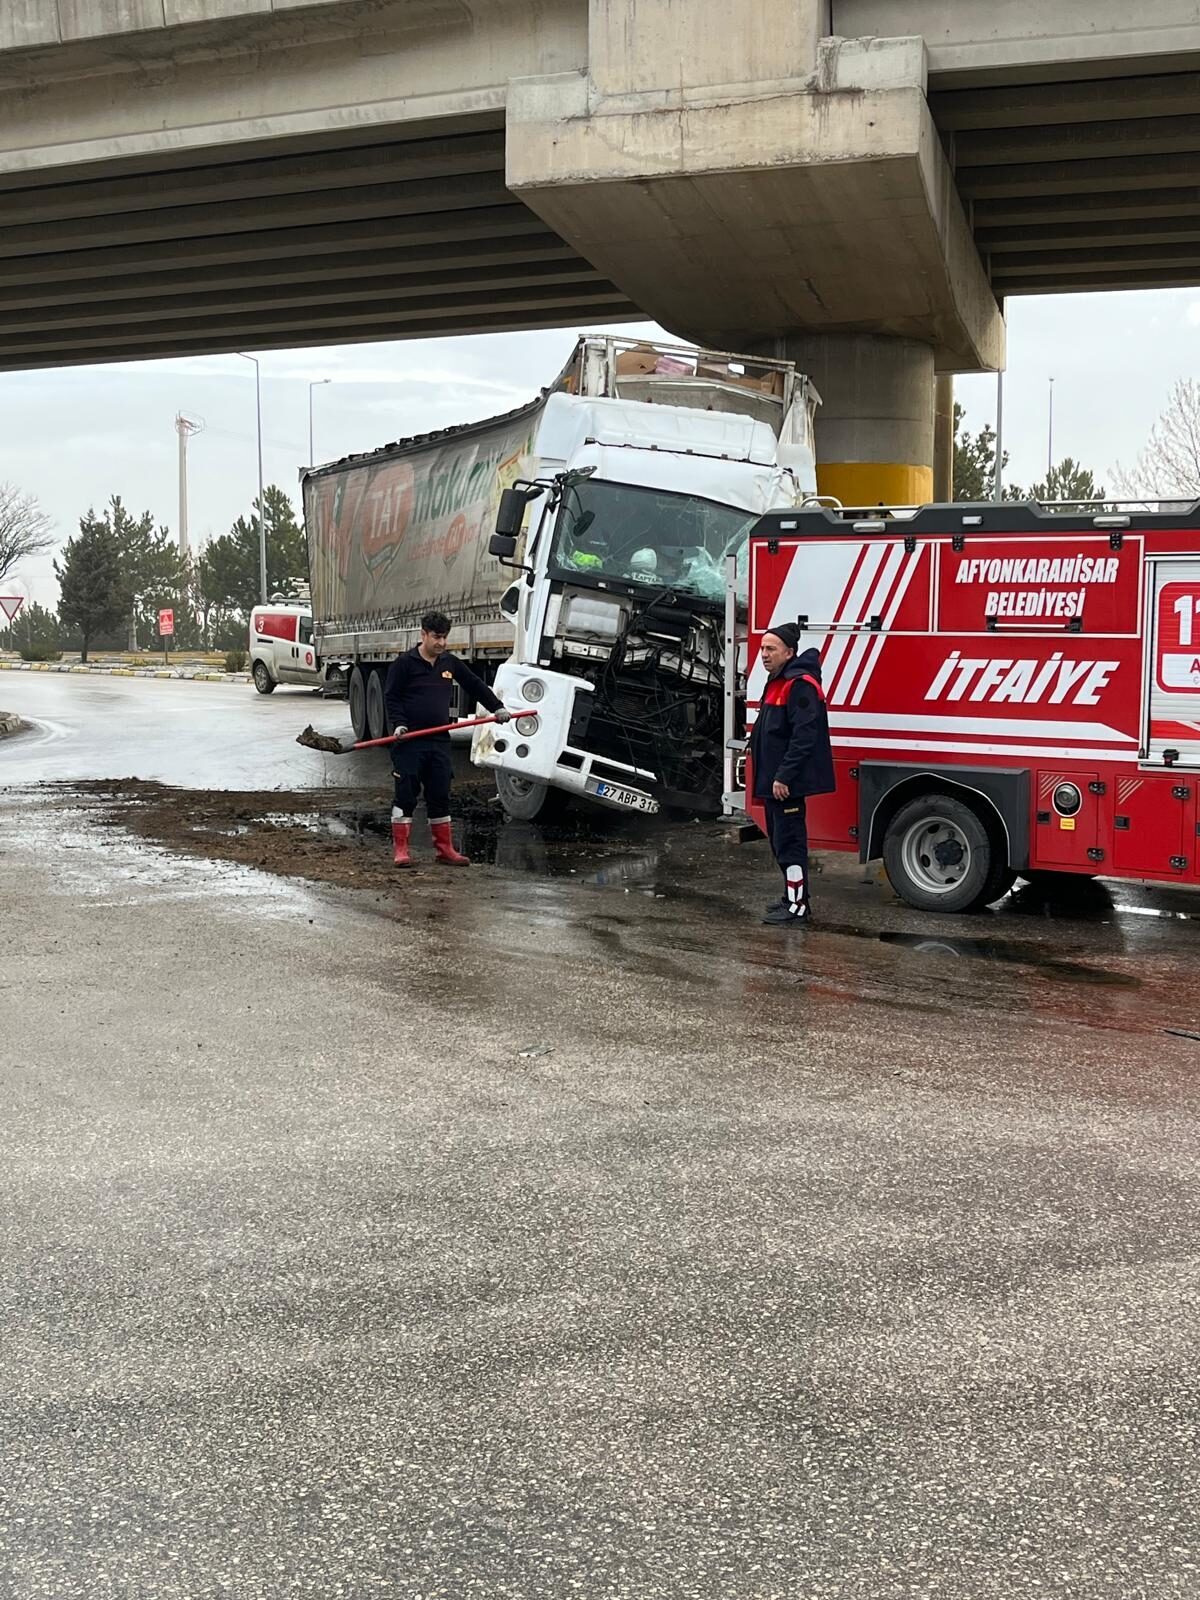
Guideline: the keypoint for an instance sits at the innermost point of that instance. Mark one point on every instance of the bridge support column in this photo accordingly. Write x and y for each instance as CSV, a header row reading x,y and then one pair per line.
x,y
767,182
875,426
943,438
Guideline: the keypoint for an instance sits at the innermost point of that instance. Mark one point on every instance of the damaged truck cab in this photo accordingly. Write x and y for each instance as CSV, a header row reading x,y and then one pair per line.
x,y
651,466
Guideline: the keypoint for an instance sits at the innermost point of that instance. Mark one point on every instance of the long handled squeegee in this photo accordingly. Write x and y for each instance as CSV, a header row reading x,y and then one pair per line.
x,y
313,740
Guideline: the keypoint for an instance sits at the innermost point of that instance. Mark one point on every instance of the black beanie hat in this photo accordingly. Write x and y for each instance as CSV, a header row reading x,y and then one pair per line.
x,y
788,632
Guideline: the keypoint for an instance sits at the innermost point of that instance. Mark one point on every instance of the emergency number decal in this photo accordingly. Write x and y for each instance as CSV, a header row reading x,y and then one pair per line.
x,y
1026,585
1178,634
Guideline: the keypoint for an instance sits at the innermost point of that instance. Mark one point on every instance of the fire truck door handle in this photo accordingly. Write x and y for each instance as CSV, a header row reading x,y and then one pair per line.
x,y
994,625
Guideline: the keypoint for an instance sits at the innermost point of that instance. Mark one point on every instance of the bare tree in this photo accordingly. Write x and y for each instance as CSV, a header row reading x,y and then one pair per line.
x,y
25,529
1169,466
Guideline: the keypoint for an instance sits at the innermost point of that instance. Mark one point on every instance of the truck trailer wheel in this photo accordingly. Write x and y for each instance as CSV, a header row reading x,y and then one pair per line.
x,y
527,801
939,856
263,680
376,710
358,703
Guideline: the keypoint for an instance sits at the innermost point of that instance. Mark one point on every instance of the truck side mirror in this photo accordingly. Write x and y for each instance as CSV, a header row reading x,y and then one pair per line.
x,y
509,517
502,545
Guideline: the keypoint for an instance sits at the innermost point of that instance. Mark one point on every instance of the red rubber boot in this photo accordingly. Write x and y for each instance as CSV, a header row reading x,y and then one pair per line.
x,y
401,828
444,845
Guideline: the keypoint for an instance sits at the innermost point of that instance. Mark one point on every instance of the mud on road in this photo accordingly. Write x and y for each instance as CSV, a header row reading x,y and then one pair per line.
x,y
1087,960
342,837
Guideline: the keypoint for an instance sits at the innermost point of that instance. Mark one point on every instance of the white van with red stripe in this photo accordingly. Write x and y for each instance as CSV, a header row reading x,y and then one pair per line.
x,y
282,648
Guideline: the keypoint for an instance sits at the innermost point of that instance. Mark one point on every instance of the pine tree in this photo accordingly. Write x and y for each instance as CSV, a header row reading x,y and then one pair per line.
x,y
154,571
974,461
94,597
35,635
229,567
1066,481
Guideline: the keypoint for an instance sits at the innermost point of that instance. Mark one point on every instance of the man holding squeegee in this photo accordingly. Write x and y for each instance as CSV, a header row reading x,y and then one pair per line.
x,y
419,685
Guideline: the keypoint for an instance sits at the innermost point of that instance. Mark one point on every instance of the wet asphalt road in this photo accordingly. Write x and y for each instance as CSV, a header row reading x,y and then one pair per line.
x,y
196,735
577,1235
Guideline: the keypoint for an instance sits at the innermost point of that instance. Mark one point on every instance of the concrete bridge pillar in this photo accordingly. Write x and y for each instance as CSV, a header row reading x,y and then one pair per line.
x,y
763,183
875,428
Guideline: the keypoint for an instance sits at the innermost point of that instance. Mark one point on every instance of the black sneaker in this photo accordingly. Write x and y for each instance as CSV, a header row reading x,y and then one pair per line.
x,y
777,905
782,916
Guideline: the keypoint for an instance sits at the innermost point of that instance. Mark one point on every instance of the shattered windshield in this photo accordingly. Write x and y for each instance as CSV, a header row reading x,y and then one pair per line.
x,y
671,541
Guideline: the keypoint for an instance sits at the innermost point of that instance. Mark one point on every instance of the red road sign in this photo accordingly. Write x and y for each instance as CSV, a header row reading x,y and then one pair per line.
x,y
10,604
166,623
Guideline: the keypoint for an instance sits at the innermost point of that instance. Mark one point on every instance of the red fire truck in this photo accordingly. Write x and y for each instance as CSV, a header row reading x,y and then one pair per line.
x,y
1011,690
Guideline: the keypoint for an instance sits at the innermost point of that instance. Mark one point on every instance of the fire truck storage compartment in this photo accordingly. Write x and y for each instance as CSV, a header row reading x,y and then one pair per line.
x,y
1066,829
1154,830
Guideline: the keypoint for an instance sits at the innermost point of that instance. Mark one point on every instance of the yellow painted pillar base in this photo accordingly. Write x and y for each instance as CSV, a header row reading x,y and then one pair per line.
x,y
873,483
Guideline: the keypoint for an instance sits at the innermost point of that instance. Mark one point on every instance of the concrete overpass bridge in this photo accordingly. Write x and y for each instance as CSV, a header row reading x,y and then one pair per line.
x,y
856,182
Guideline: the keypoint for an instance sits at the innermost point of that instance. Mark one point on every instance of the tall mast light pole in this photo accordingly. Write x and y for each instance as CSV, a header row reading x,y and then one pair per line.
x,y
185,427
262,529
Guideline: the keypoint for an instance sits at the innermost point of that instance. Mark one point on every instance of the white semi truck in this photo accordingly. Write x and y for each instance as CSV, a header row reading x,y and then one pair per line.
x,y
579,546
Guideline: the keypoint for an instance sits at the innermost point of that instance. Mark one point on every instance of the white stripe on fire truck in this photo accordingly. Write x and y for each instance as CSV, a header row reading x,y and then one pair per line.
x,y
889,616
853,659
852,610
984,727
845,653
943,747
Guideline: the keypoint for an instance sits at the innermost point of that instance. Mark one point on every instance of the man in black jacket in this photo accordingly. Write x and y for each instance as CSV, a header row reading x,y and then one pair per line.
x,y
419,685
791,758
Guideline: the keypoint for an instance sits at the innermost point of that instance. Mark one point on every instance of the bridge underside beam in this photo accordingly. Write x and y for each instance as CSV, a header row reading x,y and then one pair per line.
x,y
1080,185
392,239
764,209
197,175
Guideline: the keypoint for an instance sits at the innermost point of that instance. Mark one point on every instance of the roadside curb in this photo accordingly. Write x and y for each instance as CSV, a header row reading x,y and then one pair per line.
x,y
188,674
10,723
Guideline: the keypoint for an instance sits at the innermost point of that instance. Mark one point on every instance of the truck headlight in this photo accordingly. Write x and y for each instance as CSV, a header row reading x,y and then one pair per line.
x,y
533,690
526,726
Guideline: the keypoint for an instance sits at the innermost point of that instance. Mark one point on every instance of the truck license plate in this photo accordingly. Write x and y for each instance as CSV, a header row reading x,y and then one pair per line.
x,y
622,797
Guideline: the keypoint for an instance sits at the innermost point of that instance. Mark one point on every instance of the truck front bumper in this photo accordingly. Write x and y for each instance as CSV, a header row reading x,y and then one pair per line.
x,y
536,745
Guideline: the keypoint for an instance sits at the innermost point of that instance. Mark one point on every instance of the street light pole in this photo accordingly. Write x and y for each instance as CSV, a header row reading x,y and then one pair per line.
x,y
315,384
1050,438
262,528
184,427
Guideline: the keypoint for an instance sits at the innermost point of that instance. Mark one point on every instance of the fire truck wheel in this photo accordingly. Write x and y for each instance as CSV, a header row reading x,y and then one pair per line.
x,y
527,801
263,680
940,856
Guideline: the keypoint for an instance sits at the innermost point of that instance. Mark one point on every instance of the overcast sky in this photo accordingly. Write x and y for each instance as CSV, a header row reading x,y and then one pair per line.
x,y
74,436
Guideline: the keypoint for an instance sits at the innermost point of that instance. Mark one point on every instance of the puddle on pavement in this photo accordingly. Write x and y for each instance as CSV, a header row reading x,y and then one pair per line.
x,y
1009,951
344,840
